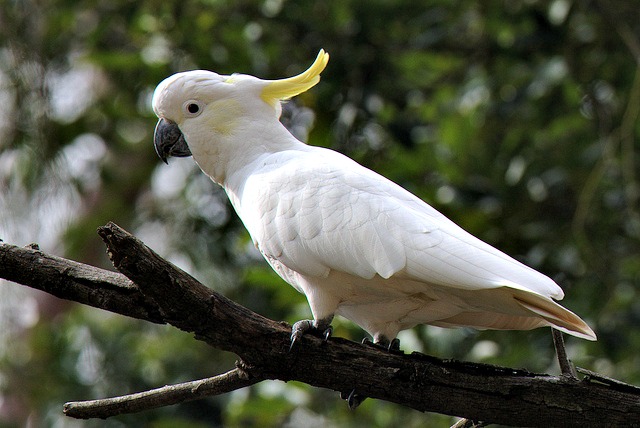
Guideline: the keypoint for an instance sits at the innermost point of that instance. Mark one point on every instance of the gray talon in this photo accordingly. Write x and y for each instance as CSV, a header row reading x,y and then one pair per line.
x,y
327,333
321,328
394,345
354,400
383,343
298,330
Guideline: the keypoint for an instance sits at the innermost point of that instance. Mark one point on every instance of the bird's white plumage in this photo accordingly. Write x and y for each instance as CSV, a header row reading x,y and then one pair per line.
x,y
316,211
352,241
363,246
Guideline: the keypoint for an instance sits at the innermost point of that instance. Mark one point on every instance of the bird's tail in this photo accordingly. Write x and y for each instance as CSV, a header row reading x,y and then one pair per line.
x,y
556,315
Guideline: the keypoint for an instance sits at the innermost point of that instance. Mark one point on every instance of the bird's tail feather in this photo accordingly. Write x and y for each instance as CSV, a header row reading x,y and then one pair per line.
x,y
558,316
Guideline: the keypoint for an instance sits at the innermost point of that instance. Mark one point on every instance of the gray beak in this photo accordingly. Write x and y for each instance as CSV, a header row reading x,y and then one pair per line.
x,y
169,141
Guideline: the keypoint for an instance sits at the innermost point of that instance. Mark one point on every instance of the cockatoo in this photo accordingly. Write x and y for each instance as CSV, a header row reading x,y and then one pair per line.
x,y
355,243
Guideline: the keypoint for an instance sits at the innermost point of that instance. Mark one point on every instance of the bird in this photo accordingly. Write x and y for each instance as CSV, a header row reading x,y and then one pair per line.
x,y
353,242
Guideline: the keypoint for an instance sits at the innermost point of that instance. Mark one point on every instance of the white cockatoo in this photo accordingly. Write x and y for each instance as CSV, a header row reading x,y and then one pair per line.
x,y
355,243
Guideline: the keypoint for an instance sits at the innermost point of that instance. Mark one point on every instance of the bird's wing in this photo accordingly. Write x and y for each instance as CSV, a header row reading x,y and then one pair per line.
x,y
321,211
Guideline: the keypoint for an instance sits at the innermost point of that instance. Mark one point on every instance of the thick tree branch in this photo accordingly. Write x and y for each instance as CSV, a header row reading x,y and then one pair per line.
x,y
475,391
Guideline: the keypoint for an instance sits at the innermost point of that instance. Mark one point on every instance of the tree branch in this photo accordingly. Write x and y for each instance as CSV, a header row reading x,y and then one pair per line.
x,y
75,281
475,391
566,366
160,397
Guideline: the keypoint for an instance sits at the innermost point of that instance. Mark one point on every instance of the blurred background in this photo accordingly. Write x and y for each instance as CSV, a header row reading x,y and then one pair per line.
x,y
518,119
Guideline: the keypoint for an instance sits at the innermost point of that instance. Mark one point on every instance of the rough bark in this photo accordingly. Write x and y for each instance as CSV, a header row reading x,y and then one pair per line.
x,y
159,397
163,293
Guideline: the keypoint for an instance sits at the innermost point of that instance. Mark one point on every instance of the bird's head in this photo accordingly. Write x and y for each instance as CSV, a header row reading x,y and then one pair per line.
x,y
196,106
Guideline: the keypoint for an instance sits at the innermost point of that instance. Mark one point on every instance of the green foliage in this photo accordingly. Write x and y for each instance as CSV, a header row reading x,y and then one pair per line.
x,y
517,119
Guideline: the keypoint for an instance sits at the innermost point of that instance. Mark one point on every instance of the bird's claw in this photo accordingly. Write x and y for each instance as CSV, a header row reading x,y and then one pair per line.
x,y
384,343
394,345
298,330
326,334
353,399
302,327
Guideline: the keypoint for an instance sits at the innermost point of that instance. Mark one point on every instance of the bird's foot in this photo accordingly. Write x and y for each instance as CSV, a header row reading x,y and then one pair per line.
x,y
320,327
353,399
384,343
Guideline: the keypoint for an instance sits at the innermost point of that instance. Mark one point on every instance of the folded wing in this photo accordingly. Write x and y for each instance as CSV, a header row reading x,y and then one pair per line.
x,y
326,212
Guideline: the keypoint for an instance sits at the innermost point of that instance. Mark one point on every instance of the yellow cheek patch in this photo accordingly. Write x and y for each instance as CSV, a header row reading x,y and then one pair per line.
x,y
284,89
223,115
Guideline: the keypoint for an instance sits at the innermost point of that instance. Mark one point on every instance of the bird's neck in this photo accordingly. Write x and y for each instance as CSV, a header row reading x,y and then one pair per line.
x,y
230,157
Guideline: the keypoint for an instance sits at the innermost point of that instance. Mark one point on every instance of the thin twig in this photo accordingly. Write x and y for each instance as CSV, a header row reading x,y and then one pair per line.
x,y
606,380
566,367
159,397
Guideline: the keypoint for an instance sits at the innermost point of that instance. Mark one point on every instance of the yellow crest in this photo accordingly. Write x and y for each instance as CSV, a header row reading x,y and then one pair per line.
x,y
284,89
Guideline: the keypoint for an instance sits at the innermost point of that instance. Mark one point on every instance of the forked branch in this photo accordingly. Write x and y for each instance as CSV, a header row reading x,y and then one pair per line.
x,y
164,293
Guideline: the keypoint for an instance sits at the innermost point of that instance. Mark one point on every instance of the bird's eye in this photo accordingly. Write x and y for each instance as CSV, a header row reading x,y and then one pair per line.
x,y
192,108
